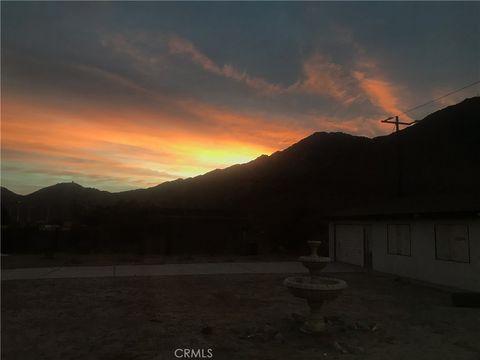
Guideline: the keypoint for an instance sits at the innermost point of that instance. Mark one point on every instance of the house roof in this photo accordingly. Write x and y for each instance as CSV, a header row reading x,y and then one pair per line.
x,y
464,205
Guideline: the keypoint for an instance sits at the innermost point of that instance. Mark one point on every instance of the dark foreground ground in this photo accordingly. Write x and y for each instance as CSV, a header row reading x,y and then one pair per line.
x,y
239,317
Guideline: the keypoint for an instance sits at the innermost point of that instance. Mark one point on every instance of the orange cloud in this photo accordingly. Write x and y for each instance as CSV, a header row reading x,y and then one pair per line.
x,y
324,77
320,75
381,92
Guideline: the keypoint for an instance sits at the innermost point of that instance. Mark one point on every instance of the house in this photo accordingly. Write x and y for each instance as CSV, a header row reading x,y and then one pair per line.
x,y
432,241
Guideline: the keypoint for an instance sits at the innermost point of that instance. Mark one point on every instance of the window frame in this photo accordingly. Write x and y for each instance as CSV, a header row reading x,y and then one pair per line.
x,y
409,239
468,242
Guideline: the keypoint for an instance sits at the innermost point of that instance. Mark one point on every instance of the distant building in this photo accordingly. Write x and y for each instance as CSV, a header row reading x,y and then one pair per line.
x,y
413,239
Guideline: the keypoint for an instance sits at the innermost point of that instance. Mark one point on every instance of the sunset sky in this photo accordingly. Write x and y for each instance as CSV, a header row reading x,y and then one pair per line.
x,y
128,95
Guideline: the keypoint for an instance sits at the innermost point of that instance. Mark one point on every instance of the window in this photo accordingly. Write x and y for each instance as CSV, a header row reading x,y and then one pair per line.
x,y
398,238
451,242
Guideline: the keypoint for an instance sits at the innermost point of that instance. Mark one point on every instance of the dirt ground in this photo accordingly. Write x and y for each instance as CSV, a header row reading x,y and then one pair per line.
x,y
237,316
62,259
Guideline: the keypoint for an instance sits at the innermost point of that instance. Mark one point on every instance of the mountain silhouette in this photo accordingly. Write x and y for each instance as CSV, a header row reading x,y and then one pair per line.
x,y
440,155
321,174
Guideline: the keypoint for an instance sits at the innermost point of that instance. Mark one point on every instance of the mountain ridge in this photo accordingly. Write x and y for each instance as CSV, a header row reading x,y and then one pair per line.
x,y
326,170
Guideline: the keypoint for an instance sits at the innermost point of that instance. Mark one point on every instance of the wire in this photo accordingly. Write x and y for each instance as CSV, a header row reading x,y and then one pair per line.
x,y
441,97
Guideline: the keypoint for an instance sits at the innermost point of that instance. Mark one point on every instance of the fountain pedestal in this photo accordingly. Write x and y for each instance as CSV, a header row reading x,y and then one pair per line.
x,y
315,322
314,288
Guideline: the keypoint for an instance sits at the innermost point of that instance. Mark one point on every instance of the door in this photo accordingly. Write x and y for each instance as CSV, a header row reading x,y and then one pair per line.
x,y
349,244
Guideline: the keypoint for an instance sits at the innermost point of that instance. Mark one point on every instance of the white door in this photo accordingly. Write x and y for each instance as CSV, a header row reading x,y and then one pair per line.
x,y
349,244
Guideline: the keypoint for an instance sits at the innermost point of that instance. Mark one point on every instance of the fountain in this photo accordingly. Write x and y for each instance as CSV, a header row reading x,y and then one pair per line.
x,y
314,288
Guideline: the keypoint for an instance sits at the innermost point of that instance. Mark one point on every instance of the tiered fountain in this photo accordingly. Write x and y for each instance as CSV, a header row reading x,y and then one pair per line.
x,y
314,288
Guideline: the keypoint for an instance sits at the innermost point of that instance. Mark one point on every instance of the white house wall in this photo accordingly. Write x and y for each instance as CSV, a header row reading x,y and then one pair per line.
x,y
422,264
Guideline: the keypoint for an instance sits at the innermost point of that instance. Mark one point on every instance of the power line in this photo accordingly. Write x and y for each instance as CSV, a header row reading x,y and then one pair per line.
x,y
395,120
441,97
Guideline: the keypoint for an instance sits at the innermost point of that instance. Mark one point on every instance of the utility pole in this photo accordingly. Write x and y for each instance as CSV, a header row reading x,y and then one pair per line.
x,y
396,120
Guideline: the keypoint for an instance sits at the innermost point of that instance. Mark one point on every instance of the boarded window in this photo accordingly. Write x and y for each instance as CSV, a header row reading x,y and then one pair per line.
x,y
451,242
398,237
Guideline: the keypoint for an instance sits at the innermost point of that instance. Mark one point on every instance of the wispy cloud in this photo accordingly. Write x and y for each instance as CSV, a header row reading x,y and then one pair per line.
x,y
323,77
320,75
151,50
378,89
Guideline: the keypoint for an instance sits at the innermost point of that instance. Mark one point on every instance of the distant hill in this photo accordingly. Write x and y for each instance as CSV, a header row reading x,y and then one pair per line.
x,y
56,203
320,174
9,196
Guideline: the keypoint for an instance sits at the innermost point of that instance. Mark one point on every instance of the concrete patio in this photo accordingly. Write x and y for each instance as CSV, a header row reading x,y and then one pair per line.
x,y
285,267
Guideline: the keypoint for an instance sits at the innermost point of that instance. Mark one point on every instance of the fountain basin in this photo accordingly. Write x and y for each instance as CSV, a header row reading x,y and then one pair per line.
x,y
315,289
314,264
